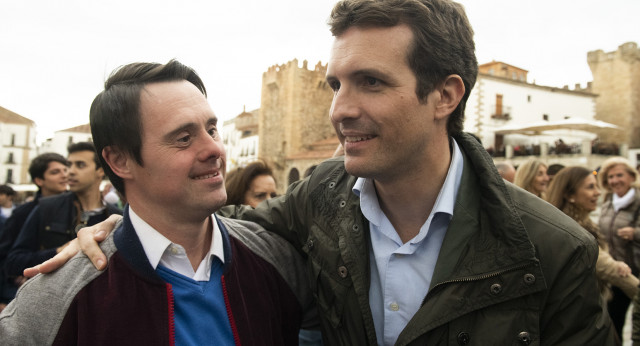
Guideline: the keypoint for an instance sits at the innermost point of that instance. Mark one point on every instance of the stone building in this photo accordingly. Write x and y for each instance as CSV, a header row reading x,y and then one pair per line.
x,y
616,80
17,147
294,128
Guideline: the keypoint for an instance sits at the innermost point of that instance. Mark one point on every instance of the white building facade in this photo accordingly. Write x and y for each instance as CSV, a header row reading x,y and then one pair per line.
x,y
61,139
240,137
498,101
17,147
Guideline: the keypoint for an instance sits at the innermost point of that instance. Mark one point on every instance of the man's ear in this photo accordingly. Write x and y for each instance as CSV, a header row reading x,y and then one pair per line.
x,y
117,161
451,93
39,182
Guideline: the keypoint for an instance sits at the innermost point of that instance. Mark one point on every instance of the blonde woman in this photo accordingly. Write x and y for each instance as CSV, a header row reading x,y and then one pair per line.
x,y
575,191
532,176
620,224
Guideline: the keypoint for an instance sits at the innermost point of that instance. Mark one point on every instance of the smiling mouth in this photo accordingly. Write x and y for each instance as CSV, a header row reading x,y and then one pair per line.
x,y
206,176
353,139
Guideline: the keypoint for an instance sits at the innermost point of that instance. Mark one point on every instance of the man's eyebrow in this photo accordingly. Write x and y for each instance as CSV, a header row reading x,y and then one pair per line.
x,y
187,127
212,121
376,73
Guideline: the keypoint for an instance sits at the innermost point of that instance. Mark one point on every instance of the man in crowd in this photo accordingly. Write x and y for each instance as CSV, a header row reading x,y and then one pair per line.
x,y
413,238
56,220
49,172
177,274
6,203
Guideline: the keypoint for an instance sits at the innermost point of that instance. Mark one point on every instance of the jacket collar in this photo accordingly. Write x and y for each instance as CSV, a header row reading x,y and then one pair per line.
x,y
130,247
484,204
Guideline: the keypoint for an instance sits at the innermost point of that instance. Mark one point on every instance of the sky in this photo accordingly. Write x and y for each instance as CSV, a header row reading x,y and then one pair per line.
x,y
56,55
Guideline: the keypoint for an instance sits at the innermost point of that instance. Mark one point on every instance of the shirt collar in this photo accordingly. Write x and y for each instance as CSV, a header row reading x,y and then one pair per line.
x,y
155,244
445,201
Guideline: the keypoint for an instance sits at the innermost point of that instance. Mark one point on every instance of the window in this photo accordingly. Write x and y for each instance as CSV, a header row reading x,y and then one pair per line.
x,y
10,158
545,116
528,98
70,140
9,176
13,139
498,105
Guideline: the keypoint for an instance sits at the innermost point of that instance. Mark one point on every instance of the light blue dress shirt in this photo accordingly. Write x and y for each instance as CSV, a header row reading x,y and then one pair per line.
x,y
401,273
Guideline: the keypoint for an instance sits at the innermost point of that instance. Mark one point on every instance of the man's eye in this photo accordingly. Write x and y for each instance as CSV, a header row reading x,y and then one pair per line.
x,y
184,139
370,81
212,132
335,85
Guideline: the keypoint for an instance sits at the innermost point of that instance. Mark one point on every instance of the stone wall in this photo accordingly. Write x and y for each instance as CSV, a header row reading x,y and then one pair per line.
x,y
294,113
616,79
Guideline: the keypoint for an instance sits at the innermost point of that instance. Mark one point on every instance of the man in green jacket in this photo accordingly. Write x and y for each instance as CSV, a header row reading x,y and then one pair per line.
x,y
412,238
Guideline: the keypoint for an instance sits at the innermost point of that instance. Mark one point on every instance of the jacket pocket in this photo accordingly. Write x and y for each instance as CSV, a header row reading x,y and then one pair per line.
x,y
329,276
55,234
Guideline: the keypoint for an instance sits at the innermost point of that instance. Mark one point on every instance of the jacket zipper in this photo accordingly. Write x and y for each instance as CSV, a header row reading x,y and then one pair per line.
x,y
473,278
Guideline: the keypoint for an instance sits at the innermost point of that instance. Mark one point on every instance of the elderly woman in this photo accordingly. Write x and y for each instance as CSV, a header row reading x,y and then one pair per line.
x,y
620,225
574,190
532,176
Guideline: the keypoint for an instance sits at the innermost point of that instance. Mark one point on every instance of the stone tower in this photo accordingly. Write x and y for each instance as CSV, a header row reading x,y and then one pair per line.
x,y
616,79
294,114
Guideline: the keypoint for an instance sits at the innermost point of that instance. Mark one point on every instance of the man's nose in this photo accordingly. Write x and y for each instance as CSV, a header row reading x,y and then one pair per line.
x,y
210,148
345,105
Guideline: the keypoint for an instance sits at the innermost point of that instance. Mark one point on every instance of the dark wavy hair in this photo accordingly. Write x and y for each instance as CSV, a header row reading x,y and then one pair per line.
x,y
442,41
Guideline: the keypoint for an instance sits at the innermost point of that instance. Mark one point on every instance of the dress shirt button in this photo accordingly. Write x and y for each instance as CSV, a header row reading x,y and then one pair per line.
x,y
174,251
399,255
394,306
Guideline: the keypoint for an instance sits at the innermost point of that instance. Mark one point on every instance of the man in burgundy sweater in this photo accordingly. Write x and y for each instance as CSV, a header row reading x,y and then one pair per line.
x,y
176,274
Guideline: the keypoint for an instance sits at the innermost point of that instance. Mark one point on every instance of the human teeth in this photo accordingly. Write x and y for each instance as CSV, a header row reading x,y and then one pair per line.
x,y
357,139
206,176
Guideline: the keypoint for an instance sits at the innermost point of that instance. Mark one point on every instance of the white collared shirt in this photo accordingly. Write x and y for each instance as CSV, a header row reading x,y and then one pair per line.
x,y
401,273
160,250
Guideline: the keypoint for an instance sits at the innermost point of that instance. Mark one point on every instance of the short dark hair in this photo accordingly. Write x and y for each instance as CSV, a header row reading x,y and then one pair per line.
x,y
115,112
442,41
7,190
40,164
84,146
554,168
239,180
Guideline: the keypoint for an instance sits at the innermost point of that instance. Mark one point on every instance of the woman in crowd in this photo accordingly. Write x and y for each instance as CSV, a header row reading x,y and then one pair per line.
x,y
620,225
532,176
250,185
574,190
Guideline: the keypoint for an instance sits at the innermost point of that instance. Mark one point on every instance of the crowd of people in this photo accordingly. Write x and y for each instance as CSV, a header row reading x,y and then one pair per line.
x,y
577,191
409,236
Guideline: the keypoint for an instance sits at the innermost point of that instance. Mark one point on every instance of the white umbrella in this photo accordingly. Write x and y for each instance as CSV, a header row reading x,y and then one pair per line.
x,y
572,123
